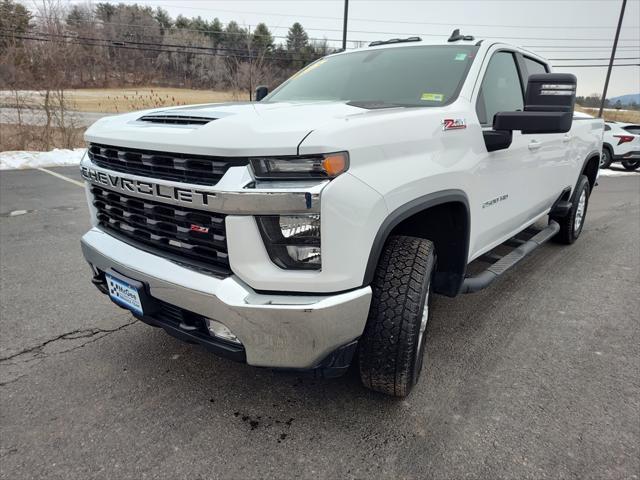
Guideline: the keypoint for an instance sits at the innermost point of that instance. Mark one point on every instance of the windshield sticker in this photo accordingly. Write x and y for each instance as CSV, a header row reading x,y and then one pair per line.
x,y
461,56
432,97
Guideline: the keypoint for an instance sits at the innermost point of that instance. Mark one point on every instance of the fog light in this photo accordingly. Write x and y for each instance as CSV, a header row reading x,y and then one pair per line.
x,y
221,331
304,255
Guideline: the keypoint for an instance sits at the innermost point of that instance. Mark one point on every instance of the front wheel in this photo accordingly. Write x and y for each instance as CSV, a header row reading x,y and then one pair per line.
x,y
392,345
631,164
571,225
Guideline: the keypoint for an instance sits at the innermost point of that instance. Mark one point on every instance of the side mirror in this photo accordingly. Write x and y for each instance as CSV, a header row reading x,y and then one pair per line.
x,y
548,108
261,92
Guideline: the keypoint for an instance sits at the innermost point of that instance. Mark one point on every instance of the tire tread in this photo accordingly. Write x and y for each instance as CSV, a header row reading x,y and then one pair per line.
x,y
388,345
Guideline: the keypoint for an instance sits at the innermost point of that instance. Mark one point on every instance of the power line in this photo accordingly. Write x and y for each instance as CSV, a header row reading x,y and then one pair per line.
x,y
213,54
148,49
448,24
581,47
592,59
112,41
604,65
203,30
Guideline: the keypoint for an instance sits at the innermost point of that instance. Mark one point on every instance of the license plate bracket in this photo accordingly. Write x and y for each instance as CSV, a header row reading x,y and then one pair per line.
x,y
127,292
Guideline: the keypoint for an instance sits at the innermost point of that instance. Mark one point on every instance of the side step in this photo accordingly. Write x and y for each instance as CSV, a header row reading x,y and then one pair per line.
x,y
484,279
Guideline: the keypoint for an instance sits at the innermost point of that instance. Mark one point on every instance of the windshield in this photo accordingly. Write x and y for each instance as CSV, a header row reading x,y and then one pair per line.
x,y
427,76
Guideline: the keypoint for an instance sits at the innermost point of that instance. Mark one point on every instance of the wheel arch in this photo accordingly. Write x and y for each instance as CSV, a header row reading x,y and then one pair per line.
x,y
442,217
590,168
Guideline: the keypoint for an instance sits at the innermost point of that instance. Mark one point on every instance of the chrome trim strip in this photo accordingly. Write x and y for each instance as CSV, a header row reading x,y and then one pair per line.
x,y
247,201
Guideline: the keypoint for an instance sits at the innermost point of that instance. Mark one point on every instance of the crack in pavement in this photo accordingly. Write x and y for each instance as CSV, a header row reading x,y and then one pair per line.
x,y
73,335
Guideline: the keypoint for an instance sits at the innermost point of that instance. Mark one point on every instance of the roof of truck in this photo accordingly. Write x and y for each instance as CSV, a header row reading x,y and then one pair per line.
x,y
453,40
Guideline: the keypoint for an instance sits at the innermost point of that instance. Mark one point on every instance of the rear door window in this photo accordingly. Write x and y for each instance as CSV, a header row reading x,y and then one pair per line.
x,y
534,67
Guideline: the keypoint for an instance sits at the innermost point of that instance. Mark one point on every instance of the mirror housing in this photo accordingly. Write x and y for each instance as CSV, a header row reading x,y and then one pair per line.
x,y
261,92
549,104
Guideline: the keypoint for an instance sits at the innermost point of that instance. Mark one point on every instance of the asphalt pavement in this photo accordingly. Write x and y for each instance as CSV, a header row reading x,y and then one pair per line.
x,y
536,377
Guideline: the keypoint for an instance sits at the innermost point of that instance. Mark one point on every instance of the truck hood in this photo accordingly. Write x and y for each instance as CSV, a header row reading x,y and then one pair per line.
x,y
235,129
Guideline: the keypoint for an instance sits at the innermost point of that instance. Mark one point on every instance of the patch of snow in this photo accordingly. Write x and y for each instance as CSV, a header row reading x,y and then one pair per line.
x,y
15,213
607,172
12,160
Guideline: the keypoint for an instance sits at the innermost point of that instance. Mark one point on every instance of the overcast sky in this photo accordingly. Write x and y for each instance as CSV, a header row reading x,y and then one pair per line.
x,y
556,29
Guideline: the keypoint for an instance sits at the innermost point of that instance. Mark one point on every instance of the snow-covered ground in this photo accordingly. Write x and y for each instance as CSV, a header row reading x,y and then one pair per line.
x,y
617,171
12,160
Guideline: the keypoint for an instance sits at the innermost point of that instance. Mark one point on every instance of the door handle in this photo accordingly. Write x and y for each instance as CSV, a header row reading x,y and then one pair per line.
x,y
534,145
566,138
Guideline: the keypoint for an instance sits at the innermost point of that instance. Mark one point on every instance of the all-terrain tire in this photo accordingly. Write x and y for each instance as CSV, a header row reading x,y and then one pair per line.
x,y
606,158
392,345
631,164
571,224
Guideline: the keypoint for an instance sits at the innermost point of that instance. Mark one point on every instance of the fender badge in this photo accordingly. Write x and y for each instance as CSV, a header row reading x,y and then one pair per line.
x,y
454,124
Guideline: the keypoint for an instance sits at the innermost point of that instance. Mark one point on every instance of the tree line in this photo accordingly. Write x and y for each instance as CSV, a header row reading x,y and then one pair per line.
x,y
72,46
594,100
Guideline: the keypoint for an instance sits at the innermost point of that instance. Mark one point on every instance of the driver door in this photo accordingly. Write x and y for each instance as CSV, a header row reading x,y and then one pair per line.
x,y
505,199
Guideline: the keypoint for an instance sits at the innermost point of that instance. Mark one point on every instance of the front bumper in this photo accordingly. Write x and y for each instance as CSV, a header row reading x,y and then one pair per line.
x,y
276,330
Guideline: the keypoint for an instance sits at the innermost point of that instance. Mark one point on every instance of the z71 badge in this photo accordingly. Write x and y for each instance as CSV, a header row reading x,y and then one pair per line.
x,y
454,124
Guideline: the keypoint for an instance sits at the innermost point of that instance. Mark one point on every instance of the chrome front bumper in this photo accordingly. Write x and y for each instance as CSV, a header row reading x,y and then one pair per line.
x,y
276,330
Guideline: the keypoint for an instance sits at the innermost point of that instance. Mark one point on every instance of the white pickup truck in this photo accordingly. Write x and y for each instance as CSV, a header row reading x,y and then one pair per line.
x,y
312,227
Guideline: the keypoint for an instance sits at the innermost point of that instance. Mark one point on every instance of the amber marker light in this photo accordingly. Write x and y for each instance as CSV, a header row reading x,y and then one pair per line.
x,y
335,164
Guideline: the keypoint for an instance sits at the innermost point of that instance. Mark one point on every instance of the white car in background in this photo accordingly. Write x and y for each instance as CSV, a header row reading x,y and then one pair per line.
x,y
621,143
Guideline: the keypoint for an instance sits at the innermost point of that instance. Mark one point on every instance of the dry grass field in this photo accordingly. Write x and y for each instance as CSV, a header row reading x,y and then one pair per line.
x,y
628,116
30,137
119,100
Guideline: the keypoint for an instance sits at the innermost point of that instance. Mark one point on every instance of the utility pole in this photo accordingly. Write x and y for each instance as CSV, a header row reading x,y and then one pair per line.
x,y
344,26
613,55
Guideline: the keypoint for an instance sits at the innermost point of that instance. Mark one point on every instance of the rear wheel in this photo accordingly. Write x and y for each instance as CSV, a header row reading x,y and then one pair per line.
x,y
392,346
606,158
631,164
571,225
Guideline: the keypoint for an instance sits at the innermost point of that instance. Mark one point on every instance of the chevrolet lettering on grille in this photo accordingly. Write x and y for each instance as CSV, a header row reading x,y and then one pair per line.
x,y
143,187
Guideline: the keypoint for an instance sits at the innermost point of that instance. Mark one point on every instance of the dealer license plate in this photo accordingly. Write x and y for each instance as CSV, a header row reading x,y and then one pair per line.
x,y
124,294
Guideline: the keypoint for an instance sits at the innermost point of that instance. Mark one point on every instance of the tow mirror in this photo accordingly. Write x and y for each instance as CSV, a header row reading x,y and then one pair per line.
x,y
261,92
548,108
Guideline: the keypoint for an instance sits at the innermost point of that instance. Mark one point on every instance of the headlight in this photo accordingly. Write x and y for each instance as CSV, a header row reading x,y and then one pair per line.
x,y
295,168
293,241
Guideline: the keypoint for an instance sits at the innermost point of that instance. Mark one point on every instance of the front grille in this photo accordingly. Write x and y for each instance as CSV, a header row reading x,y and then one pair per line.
x,y
165,228
179,167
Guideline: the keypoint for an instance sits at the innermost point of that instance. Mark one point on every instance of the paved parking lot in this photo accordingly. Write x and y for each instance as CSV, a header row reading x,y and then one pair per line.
x,y
535,377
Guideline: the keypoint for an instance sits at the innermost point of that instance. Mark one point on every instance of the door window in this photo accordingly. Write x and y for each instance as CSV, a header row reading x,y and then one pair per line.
x,y
501,90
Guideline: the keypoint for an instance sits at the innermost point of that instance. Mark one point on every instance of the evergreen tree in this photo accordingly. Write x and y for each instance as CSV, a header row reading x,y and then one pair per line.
x,y
182,22
262,40
105,11
14,18
235,37
163,18
297,38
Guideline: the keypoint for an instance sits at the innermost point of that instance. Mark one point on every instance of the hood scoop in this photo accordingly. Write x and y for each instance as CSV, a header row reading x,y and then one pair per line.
x,y
176,119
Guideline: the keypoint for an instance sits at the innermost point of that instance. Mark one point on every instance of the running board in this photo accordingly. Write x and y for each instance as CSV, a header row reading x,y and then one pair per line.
x,y
484,279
